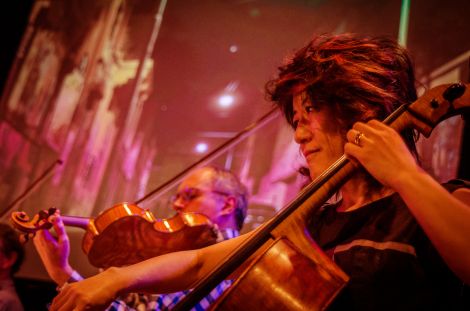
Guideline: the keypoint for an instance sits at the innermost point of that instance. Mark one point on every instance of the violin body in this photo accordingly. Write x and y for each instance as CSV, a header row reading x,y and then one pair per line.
x,y
126,234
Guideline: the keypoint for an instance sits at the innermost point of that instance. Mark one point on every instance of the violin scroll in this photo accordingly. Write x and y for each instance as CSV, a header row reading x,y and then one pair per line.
x,y
29,227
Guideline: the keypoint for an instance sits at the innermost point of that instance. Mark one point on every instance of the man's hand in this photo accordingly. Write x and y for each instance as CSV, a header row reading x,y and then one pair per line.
x,y
54,252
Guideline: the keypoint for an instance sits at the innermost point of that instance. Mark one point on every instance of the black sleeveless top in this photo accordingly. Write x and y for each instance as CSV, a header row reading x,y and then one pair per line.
x,y
391,263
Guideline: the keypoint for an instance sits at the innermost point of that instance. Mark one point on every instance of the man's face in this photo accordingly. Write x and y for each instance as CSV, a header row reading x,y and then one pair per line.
x,y
196,194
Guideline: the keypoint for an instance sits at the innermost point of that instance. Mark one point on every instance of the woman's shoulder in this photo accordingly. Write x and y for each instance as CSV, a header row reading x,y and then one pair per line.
x,y
460,189
457,184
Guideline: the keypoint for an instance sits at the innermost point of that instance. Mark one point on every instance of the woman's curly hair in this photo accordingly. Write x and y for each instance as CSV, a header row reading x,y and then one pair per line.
x,y
358,78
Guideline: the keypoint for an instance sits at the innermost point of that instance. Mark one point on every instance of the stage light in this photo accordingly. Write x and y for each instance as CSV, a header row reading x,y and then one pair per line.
x,y
226,100
233,48
201,148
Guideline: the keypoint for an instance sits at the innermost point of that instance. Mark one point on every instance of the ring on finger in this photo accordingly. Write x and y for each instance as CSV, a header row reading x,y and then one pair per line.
x,y
358,137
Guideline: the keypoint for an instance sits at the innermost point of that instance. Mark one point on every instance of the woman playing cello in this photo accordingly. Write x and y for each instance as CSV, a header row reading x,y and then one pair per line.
x,y
401,237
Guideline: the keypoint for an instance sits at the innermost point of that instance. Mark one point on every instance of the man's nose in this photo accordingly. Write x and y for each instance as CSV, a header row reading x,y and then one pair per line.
x,y
179,204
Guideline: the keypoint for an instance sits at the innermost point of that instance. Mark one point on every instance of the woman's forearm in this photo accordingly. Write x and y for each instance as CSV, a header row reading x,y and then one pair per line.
x,y
162,274
172,272
443,217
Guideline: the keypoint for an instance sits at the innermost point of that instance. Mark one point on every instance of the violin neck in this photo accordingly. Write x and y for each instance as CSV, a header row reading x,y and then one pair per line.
x,y
76,221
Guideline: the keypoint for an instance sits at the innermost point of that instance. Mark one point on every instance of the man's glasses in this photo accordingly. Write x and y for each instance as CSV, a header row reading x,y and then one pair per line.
x,y
189,194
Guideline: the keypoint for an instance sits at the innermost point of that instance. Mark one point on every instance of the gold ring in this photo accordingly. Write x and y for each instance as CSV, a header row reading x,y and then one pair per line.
x,y
357,139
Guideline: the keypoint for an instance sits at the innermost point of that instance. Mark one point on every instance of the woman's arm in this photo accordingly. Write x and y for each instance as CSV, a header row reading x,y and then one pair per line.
x,y
445,218
167,273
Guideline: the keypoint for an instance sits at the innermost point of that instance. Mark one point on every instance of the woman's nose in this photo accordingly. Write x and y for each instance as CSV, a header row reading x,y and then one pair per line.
x,y
302,133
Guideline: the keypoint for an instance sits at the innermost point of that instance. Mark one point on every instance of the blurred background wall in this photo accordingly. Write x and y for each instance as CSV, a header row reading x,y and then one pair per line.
x,y
112,98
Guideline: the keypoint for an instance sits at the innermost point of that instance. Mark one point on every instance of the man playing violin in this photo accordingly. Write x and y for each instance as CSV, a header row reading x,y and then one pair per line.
x,y
401,237
214,192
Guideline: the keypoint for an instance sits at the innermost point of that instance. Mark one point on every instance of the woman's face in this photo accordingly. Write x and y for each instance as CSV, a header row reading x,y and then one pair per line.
x,y
318,134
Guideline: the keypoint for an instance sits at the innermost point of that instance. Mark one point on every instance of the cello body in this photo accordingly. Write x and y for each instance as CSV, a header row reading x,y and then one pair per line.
x,y
277,280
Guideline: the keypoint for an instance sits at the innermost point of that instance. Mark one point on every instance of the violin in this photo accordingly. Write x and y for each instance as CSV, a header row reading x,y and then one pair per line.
x,y
126,234
281,262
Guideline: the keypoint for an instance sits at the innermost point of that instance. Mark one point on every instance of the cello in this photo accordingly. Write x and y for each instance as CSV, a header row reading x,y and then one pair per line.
x,y
282,246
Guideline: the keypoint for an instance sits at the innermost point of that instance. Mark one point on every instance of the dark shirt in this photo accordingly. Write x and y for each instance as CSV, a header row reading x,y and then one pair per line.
x,y
9,300
391,263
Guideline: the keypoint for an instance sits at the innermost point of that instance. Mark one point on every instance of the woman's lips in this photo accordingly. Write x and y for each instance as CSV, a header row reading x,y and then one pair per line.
x,y
309,152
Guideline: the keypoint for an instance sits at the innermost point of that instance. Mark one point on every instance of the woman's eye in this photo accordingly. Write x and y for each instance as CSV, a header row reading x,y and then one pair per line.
x,y
309,108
